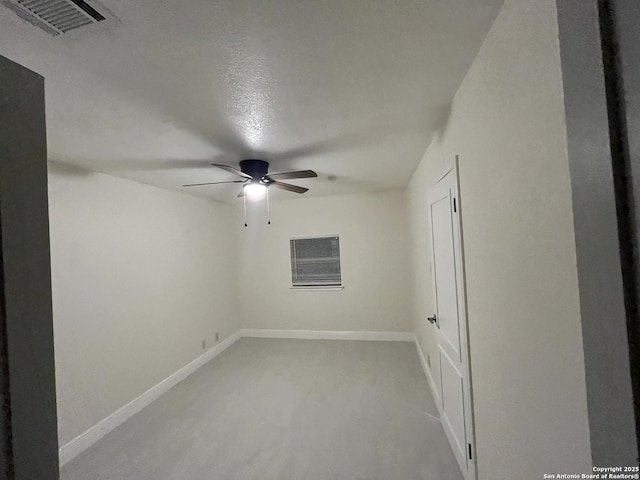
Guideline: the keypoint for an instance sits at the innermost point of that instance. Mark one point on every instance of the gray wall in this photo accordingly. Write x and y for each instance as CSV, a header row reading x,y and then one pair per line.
x,y
26,272
606,356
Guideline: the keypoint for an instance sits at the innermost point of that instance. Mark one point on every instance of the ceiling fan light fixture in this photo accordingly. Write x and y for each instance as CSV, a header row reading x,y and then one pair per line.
x,y
255,190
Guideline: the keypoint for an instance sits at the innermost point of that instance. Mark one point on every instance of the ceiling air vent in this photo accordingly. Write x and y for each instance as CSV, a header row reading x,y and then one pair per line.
x,y
55,16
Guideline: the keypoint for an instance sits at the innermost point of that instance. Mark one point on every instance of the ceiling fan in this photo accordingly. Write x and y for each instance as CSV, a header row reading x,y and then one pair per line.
x,y
256,179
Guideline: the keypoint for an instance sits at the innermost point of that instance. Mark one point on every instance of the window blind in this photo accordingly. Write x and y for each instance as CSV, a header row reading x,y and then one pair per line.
x,y
315,261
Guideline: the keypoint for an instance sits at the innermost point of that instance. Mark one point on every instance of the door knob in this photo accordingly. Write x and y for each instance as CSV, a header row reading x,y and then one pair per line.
x,y
433,319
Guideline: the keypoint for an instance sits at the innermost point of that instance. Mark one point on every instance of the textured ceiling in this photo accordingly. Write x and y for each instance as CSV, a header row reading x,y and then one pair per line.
x,y
350,88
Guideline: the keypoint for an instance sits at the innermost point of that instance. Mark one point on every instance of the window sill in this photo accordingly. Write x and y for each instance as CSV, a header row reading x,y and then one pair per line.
x,y
318,287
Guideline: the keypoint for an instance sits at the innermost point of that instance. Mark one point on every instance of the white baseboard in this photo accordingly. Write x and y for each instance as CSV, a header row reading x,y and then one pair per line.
x,y
83,441
117,418
328,335
427,373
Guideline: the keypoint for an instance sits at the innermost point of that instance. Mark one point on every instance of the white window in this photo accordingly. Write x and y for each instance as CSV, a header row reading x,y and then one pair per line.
x,y
315,262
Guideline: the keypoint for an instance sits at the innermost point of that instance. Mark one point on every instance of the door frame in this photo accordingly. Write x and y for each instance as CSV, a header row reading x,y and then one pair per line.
x,y
621,64
596,41
27,363
461,289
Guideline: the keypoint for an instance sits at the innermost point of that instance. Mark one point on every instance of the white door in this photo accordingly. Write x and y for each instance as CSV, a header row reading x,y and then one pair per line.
x,y
450,321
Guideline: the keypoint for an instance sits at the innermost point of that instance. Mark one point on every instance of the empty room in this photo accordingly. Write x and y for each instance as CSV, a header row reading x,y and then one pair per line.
x,y
359,240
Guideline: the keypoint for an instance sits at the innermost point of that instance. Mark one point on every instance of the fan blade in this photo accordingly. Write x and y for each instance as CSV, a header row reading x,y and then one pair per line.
x,y
289,187
232,170
291,175
212,183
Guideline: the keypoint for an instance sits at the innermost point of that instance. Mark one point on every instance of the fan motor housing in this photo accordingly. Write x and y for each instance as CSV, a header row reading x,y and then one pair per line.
x,y
256,168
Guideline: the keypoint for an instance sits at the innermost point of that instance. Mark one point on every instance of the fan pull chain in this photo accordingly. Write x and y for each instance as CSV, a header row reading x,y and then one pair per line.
x,y
244,203
268,210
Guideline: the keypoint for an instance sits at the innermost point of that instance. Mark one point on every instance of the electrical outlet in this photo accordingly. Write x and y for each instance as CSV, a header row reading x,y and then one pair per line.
x,y
217,337
429,360
204,344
